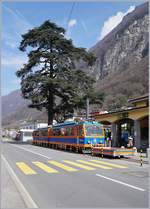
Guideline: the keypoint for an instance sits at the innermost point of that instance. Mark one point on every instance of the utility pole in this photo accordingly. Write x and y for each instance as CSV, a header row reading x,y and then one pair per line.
x,y
34,124
87,108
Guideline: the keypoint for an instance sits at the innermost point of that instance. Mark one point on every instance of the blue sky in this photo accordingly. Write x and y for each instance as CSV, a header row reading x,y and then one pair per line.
x,y
89,23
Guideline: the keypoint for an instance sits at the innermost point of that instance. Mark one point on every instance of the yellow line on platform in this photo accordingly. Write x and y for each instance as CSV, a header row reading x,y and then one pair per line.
x,y
93,164
106,163
61,165
79,165
45,167
25,168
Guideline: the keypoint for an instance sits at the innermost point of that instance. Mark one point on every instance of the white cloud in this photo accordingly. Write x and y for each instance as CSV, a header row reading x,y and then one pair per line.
x,y
113,21
72,23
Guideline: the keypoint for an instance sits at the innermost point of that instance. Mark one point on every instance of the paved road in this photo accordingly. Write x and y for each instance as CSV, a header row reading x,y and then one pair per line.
x,y
56,178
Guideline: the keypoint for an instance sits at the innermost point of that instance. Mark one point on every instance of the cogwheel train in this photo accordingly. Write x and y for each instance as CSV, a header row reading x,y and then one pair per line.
x,y
75,136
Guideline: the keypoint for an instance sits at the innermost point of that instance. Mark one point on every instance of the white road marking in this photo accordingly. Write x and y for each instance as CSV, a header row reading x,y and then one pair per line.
x,y
120,182
24,193
32,151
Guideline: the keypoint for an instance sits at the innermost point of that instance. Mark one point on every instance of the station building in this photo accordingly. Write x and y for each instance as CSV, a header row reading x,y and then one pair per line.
x,y
32,125
135,120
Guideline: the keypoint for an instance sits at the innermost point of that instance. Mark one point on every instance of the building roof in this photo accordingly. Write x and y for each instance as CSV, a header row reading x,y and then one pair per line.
x,y
120,111
139,99
26,130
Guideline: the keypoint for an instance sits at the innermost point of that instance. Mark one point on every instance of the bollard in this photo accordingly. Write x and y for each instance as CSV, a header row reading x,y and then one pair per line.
x,y
92,151
141,160
102,151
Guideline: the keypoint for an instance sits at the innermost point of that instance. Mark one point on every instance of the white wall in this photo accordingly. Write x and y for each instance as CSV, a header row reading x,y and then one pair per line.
x,y
33,125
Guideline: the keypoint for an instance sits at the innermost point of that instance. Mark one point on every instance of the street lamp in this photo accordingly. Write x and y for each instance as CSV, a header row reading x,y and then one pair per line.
x,y
87,108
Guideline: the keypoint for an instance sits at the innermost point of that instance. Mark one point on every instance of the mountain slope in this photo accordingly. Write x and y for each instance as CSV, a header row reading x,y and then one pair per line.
x,y
15,110
11,102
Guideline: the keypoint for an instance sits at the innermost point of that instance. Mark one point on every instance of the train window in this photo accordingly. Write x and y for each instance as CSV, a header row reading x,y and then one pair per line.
x,y
27,133
37,133
74,131
56,132
93,130
101,131
44,133
68,131
63,131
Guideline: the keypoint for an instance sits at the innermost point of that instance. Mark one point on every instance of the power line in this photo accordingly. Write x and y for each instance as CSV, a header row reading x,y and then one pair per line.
x,y
70,14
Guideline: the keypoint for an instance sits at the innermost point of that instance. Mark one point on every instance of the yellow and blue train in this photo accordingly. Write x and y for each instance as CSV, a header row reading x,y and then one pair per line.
x,y
75,136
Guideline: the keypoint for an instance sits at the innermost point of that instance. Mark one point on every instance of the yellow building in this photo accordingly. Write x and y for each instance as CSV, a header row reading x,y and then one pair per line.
x,y
133,120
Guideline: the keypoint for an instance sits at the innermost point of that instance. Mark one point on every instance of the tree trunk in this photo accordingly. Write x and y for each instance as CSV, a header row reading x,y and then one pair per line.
x,y
50,116
50,107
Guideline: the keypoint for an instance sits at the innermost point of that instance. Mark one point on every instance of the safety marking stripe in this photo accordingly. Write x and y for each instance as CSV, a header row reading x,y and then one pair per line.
x,y
106,163
45,167
25,168
120,182
79,165
93,164
60,165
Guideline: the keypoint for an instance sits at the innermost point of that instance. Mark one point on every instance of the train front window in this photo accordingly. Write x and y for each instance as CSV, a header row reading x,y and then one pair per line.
x,y
27,133
92,130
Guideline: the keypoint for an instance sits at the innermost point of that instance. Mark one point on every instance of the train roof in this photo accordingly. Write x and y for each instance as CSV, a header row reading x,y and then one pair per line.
x,y
44,128
71,123
75,123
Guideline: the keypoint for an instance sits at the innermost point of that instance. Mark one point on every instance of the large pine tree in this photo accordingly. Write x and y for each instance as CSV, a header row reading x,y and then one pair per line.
x,y
51,79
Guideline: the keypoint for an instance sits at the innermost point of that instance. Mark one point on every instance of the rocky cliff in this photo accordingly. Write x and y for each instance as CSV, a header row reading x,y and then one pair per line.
x,y
121,68
124,46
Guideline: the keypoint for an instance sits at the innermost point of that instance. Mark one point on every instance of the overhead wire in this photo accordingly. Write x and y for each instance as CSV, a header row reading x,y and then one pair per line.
x,y
69,16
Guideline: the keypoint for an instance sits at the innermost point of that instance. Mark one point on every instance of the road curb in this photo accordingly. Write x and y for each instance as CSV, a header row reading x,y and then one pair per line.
x,y
23,192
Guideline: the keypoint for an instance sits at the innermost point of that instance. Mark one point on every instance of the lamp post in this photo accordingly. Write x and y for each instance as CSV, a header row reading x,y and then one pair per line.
x,y
87,108
34,124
